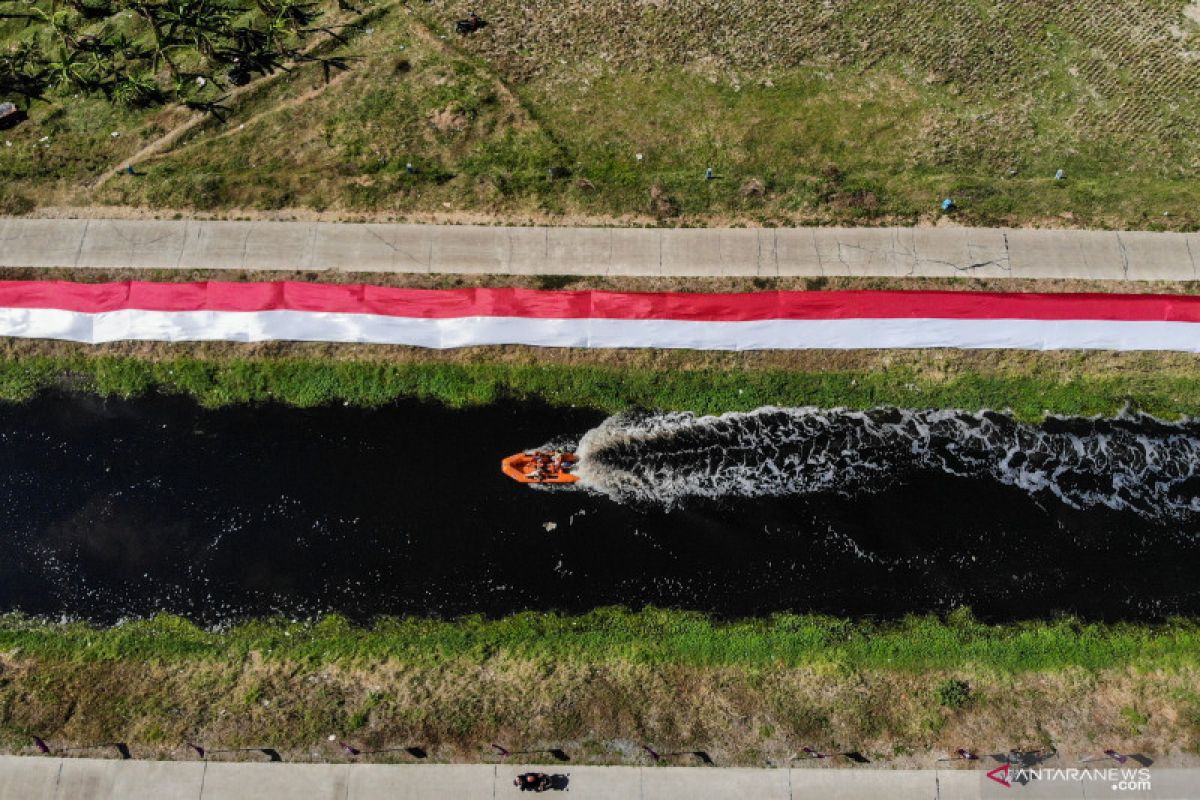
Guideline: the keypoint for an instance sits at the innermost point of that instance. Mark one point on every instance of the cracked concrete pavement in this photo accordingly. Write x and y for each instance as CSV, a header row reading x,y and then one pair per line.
x,y
34,778
765,252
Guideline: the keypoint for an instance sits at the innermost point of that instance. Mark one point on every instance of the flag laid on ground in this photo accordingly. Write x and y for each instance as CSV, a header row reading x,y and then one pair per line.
x,y
435,318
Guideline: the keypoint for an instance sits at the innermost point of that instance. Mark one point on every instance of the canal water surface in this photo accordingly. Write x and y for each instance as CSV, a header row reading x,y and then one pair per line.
x,y
113,509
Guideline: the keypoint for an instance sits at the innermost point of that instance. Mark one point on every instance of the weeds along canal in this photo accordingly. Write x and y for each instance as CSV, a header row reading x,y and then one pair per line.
x,y
119,508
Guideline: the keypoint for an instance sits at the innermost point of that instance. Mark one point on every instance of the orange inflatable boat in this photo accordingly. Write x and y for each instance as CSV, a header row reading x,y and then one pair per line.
x,y
540,466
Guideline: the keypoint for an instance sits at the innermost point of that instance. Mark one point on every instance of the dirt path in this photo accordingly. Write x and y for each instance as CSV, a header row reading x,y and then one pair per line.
x,y
293,102
162,145
513,102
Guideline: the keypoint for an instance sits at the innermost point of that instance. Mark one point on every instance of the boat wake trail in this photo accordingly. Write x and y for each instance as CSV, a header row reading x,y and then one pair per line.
x,y
1131,462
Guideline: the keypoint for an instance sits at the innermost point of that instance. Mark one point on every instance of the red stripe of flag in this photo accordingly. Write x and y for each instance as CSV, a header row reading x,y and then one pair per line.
x,y
507,302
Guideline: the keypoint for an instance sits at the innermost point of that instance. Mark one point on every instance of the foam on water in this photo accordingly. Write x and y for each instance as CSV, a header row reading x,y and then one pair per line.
x,y
1131,462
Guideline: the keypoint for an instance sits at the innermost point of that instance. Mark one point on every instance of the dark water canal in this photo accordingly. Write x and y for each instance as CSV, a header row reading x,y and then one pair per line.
x,y
112,509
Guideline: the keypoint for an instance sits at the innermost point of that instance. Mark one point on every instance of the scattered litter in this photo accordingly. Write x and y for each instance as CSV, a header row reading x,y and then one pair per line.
x,y
469,25
333,737
639,157
1059,175
44,139
948,205
708,174
7,143
10,115
115,135
201,81
369,31
549,526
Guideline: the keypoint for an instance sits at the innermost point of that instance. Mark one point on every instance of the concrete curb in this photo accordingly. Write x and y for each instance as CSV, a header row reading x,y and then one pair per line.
x,y
35,778
760,252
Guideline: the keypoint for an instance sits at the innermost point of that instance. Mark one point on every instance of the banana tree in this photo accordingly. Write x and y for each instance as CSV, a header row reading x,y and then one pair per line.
x,y
23,71
92,10
152,12
62,24
200,24
68,69
137,90
213,107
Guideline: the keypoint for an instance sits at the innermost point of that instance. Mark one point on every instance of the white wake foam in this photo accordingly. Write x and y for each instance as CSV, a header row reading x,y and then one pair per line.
x,y
1131,462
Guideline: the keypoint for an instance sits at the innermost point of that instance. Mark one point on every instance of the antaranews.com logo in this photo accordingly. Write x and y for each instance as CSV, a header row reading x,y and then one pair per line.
x,y
1118,779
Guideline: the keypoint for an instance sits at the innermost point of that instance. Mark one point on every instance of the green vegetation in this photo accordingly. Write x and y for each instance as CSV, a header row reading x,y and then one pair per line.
x,y
652,637
953,693
743,690
310,382
1136,719
855,111
142,53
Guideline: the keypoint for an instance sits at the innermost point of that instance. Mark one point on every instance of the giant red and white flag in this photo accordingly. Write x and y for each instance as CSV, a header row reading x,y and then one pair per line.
x,y
254,312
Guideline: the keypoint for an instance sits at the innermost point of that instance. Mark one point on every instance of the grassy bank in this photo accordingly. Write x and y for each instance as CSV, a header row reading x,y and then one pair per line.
x,y
652,637
748,692
857,112
1029,384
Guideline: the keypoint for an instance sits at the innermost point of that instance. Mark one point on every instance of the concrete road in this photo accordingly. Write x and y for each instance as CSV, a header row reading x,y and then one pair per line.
x,y
767,252
45,778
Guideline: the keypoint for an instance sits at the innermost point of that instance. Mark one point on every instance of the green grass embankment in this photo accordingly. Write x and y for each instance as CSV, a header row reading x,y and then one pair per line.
x,y
655,637
748,692
310,382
